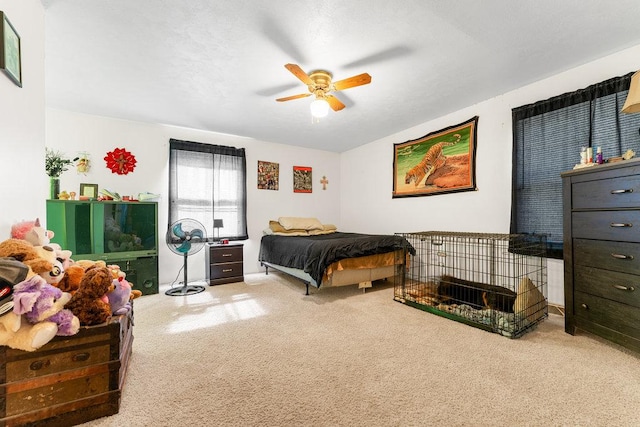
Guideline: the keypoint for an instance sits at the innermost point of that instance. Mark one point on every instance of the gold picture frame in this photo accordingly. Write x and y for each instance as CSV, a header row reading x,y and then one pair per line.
x,y
10,53
89,190
440,162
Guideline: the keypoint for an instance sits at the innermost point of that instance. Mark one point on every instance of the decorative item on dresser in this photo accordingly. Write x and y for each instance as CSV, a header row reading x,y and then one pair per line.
x,y
601,208
224,263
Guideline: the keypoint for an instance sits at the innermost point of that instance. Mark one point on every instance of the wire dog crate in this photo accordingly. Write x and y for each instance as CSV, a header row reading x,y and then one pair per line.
x,y
496,282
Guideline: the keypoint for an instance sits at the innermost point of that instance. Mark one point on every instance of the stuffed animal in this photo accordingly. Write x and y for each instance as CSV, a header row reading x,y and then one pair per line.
x,y
22,335
118,274
70,282
120,297
32,232
26,253
85,263
39,301
63,255
87,303
56,273
36,301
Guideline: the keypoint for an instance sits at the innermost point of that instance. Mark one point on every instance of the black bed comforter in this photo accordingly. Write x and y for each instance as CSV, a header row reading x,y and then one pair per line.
x,y
314,254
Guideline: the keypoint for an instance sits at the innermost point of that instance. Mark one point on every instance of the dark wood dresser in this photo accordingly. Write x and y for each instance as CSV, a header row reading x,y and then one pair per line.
x,y
224,263
601,221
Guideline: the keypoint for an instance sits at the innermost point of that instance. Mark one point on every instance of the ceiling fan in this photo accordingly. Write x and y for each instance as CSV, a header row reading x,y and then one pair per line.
x,y
320,85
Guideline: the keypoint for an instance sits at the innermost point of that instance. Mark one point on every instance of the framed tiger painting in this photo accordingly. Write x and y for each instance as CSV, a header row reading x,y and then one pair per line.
x,y
438,163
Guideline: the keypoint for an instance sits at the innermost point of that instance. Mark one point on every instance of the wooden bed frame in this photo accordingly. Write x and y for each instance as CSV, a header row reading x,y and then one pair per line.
x,y
362,271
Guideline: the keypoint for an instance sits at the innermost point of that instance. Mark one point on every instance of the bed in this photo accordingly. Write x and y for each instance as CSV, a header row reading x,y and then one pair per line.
x,y
319,255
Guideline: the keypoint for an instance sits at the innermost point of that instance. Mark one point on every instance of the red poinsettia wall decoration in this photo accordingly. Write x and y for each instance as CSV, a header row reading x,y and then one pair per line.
x,y
120,161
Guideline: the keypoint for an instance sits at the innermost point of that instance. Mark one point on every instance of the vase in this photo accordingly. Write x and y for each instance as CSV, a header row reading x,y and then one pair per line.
x,y
54,188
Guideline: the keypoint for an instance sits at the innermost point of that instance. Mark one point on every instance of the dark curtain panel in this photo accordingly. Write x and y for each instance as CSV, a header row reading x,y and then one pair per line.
x,y
547,139
208,182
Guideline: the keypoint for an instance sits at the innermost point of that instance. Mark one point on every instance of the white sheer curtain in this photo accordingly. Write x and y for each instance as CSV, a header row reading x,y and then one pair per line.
x,y
208,182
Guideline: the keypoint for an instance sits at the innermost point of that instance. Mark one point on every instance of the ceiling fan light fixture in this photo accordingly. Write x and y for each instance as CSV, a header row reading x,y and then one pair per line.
x,y
319,108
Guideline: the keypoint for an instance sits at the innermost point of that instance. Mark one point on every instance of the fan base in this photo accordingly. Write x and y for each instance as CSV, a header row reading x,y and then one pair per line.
x,y
185,290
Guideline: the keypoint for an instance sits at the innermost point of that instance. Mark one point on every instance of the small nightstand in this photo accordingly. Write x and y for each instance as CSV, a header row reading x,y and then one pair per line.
x,y
224,263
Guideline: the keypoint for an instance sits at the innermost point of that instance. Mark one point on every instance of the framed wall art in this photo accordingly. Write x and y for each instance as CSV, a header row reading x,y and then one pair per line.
x,y
302,182
437,163
268,175
10,54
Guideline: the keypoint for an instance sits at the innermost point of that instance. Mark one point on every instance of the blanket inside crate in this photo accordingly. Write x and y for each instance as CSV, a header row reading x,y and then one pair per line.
x,y
491,305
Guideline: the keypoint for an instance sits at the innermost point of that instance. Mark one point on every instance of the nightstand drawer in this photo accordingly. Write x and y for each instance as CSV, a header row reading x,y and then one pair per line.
x,y
225,253
227,269
621,226
620,192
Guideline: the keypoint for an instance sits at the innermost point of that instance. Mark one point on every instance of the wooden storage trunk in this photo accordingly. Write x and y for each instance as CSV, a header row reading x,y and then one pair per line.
x,y
69,380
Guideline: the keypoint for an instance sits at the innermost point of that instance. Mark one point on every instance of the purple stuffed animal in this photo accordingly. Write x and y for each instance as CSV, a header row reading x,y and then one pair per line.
x,y
39,302
119,298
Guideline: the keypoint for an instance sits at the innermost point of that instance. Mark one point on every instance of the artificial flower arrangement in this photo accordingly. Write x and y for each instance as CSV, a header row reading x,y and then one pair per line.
x,y
55,163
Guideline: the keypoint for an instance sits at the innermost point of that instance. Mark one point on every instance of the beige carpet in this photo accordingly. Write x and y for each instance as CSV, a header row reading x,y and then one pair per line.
x,y
261,353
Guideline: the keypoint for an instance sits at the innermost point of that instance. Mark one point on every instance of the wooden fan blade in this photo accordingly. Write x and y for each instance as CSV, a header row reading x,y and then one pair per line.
x,y
334,103
359,80
297,71
289,98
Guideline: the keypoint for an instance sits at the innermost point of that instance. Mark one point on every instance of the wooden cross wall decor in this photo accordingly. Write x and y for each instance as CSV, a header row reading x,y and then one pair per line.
x,y
324,181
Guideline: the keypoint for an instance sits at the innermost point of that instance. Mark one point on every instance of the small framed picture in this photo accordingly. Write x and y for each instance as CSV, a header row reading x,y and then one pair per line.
x,y
268,175
10,55
89,190
302,182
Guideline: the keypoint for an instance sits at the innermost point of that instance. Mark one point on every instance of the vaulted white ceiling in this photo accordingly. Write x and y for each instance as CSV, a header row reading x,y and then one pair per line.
x,y
219,65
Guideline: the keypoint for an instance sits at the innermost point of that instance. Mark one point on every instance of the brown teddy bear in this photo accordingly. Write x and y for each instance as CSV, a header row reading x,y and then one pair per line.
x,y
88,303
27,254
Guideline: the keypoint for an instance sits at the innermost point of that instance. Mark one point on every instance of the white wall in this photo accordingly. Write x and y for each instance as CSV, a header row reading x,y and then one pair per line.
x,y
22,128
72,133
358,197
367,171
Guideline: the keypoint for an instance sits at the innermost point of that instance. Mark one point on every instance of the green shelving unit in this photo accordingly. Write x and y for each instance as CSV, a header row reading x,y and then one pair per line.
x,y
122,233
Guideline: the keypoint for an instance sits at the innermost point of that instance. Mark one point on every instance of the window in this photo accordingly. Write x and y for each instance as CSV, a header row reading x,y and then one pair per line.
x,y
208,182
547,138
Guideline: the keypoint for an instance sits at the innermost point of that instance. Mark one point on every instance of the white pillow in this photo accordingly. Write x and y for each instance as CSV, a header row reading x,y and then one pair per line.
x,y
296,223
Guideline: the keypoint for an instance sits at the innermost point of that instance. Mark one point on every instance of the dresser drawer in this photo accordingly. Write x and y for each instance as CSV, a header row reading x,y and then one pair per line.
x,y
620,287
225,253
623,318
620,192
615,256
621,226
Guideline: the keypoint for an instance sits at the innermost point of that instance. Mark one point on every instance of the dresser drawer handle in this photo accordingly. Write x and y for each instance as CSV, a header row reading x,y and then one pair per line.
x,y
226,270
39,364
622,256
227,254
629,190
585,306
621,224
624,288
80,357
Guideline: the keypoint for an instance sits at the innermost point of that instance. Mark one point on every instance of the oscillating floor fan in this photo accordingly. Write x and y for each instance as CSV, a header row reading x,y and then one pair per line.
x,y
186,237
